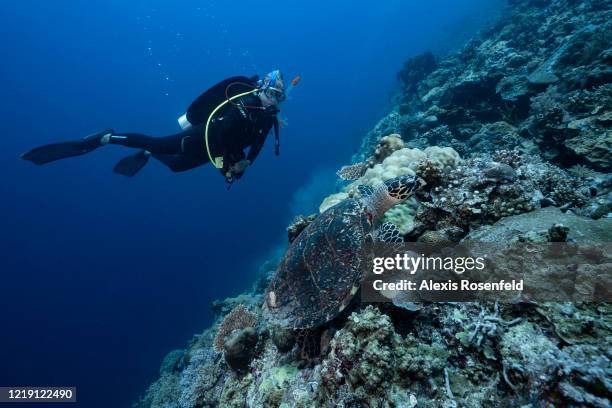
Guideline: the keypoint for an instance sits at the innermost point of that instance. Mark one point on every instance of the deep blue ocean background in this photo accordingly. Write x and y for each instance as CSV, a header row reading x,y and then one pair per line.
x,y
100,275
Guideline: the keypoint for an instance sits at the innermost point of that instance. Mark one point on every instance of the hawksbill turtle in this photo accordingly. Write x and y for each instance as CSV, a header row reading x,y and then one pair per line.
x,y
321,271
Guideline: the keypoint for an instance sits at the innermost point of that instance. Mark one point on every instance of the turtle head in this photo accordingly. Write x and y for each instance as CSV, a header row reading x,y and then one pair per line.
x,y
391,192
402,187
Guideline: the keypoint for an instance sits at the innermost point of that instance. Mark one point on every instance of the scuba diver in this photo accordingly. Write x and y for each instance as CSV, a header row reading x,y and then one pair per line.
x,y
234,114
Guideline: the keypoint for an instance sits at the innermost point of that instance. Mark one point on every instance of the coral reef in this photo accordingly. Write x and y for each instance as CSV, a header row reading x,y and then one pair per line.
x,y
239,318
388,125
553,272
579,229
540,81
173,362
239,349
416,69
386,146
429,164
248,300
487,187
512,135
199,384
404,162
361,354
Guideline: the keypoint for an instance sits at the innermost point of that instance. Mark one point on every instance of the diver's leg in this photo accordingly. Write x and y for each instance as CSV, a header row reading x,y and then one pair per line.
x,y
181,162
179,152
157,145
191,152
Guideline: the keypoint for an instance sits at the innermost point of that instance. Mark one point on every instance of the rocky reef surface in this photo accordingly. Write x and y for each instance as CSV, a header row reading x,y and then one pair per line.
x,y
513,135
538,81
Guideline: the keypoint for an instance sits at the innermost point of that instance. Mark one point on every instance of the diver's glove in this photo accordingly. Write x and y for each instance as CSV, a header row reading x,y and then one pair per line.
x,y
237,170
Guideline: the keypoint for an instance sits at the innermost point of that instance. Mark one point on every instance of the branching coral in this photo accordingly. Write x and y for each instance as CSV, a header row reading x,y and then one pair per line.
x,y
485,325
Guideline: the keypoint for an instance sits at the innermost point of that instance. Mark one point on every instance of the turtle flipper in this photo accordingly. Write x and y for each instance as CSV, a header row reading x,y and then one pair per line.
x,y
352,172
388,232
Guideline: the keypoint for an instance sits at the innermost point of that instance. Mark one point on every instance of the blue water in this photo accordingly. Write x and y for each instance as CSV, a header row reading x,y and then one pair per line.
x,y
102,275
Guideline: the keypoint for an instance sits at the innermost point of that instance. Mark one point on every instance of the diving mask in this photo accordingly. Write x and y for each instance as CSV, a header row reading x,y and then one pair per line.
x,y
274,93
273,86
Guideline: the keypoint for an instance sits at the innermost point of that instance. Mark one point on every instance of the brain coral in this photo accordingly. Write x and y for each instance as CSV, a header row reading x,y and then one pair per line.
x,y
447,156
399,163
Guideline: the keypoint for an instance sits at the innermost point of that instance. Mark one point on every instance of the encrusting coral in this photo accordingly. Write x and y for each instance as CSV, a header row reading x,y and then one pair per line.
x,y
483,190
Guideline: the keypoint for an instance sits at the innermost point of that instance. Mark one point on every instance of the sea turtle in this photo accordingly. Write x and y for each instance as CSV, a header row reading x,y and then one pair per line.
x,y
322,270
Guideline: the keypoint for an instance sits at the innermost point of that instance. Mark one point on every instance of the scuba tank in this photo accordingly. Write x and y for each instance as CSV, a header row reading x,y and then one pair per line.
x,y
200,109
184,123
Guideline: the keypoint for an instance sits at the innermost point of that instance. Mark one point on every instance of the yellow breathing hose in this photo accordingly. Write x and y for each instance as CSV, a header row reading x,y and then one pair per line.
x,y
213,161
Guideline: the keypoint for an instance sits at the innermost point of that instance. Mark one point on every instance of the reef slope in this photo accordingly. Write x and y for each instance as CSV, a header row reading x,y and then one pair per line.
x,y
513,135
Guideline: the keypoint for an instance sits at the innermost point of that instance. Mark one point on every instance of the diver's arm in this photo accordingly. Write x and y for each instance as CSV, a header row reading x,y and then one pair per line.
x,y
256,147
225,126
234,165
232,157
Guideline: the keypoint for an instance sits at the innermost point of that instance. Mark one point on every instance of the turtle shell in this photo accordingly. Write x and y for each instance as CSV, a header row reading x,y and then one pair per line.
x,y
321,270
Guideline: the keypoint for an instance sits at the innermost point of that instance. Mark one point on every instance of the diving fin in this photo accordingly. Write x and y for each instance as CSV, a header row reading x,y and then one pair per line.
x,y
56,151
130,165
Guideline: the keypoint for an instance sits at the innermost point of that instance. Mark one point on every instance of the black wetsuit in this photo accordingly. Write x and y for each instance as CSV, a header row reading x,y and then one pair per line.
x,y
236,126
